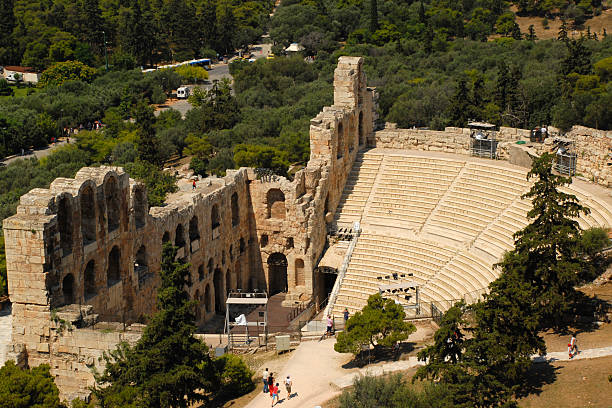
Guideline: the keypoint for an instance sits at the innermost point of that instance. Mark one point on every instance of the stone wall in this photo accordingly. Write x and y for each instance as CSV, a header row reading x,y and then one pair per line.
x,y
87,251
594,147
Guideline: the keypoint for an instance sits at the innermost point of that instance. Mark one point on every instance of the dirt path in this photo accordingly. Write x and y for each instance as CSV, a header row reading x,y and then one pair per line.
x,y
313,367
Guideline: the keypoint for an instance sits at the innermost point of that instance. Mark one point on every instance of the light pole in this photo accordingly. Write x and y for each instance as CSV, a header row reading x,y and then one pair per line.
x,y
105,52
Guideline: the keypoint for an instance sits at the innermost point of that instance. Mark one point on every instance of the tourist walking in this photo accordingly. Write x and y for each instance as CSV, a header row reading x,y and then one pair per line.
x,y
330,324
265,376
271,381
275,391
288,384
193,186
574,345
346,316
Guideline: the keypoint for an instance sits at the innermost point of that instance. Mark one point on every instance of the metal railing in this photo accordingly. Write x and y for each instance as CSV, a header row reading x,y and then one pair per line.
x,y
342,272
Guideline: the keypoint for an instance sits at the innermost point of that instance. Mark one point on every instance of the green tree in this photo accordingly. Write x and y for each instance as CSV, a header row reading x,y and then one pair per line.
x,y
61,72
380,324
546,248
5,89
21,388
192,74
168,366
458,113
373,15
235,376
216,108
145,119
578,58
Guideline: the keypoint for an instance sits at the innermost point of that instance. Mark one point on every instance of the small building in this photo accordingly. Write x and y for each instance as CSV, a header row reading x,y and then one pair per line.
x,y
293,48
25,74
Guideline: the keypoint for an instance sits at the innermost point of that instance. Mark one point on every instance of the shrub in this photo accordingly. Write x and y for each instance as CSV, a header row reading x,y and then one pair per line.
x,y
236,377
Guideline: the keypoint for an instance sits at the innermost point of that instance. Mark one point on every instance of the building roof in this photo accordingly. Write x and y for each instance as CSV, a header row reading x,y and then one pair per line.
x,y
19,69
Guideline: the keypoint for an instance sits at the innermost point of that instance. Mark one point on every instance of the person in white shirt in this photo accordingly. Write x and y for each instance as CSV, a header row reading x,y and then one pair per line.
x,y
288,384
265,376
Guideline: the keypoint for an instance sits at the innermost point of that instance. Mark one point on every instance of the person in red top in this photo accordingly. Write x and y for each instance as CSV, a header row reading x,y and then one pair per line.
x,y
274,390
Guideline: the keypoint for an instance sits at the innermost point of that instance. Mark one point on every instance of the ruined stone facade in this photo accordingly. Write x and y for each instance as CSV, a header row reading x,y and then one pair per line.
x,y
87,251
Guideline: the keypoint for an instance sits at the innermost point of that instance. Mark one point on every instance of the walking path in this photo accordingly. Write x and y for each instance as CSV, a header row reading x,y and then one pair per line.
x,y
38,153
318,373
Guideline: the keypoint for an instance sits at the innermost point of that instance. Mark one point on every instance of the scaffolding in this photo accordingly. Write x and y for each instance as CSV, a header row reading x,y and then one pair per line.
x,y
565,157
482,140
565,163
239,308
404,293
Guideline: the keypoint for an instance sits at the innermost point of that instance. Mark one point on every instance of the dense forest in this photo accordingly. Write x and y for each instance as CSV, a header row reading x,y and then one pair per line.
x,y
134,32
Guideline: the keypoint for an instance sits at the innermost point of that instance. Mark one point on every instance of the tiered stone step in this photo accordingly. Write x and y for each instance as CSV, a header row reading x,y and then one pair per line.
x,y
409,189
357,188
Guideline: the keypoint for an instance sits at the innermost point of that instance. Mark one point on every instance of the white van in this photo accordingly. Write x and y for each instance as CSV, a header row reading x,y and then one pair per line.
x,y
182,92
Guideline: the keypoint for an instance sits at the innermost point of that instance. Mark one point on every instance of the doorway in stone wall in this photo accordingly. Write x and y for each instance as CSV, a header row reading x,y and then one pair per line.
x,y
277,273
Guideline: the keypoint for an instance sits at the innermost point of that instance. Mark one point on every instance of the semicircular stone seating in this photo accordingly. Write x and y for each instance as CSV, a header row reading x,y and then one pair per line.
x,y
438,221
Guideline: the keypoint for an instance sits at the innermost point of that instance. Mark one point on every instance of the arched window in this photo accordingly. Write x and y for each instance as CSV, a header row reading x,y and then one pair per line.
x,y
340,152
140,264
242,246
201,273
361,131
68,289
219,291
140,208
64,224
214,217
88,215
166,237
231,252
179,239
207,299
228,281
112,204
198,307
210,266
90,279
263,241
299,272
235,210
113,273
194,230
276,203
238,271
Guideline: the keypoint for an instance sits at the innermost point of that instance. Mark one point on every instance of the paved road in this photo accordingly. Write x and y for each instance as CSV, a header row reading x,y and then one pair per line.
x,y
38,153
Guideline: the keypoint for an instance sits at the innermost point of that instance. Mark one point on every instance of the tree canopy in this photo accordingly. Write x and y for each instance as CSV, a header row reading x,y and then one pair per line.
x,y
380,324
22,388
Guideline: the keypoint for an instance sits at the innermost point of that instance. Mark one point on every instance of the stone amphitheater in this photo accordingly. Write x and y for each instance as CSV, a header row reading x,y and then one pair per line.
x,y
404,209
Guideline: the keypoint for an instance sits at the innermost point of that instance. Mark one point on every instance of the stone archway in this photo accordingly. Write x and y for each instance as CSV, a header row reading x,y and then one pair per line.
x,y
277,273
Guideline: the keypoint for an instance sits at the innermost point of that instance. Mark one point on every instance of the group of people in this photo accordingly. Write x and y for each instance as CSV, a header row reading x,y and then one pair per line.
x,y
273,388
